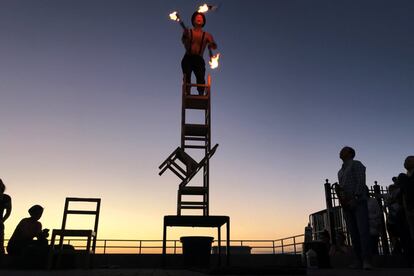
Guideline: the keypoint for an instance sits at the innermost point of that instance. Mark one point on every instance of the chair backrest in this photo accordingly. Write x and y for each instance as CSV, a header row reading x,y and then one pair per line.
x,y
76,211
187,160
201,164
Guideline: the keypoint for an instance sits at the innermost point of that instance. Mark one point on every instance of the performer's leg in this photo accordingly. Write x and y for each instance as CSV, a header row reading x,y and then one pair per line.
x,y
200,71
186,67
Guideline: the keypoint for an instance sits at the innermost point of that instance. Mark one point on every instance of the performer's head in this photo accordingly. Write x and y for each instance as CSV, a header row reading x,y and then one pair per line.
x,y
198,19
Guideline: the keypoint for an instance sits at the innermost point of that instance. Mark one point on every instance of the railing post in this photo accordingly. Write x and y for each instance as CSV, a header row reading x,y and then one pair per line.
x,y
329,212
283,249
294,244
140,247
104,249
384,239
175,247
274,251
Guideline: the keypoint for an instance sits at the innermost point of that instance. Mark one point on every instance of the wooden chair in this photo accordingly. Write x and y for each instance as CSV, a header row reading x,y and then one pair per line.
x,y
186,170
89,234
191,166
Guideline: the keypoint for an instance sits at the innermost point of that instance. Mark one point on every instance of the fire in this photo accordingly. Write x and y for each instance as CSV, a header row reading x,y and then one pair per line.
x,y
214,61
174,16
204,8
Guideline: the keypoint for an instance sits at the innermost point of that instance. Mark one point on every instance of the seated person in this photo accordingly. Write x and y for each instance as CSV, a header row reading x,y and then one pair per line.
x,y
22,242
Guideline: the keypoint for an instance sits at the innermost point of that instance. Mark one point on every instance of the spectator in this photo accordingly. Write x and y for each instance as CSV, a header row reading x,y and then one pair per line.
x,y
353,198
394,216
5,211
375,223
23,245
407,188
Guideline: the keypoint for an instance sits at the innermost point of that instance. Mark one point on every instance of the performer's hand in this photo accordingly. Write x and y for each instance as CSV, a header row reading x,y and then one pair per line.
x,y
212,46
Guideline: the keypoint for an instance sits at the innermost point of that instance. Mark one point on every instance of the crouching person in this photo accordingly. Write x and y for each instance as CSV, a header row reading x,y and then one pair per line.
x,y
28,246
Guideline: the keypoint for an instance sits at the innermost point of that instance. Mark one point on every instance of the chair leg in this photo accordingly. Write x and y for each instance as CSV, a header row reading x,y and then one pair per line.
x,y
179,203
51,252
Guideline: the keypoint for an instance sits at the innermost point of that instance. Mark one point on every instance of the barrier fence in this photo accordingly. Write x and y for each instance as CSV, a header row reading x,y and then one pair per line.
x,y
288,245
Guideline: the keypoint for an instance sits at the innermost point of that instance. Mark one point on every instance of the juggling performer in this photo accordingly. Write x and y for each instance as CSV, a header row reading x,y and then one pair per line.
x,y
195,41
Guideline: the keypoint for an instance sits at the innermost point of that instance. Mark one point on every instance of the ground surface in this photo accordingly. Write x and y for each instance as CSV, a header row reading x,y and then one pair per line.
x,y
162,272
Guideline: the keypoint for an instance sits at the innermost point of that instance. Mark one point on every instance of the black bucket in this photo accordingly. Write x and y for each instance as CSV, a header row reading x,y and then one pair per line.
x,y
196,250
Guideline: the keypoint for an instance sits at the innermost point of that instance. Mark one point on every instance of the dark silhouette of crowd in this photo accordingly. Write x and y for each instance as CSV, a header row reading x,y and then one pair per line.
x,y
400,203
363,213
364,234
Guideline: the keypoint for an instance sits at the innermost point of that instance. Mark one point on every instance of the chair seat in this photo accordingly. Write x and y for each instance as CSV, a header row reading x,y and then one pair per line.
x,y
73,233
193,190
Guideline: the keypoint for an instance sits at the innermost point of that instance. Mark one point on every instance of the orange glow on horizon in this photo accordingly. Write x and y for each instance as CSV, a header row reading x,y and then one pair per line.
x,y
126,214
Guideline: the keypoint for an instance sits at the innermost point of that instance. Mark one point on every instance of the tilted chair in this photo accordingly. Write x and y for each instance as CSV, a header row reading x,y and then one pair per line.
x,y
186,173
191,166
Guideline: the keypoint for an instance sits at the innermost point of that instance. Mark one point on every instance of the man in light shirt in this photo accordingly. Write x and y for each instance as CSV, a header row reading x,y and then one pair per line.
x,y
351,178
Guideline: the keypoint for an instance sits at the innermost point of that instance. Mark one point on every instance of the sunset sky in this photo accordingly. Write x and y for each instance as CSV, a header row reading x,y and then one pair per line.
x,y
90,104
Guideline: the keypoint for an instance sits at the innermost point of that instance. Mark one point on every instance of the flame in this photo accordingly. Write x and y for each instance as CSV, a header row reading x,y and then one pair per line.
x,y
214,61
174,16
204,8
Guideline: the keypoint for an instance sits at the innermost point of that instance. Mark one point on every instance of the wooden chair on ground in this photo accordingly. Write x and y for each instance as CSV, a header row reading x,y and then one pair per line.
x,y
89,234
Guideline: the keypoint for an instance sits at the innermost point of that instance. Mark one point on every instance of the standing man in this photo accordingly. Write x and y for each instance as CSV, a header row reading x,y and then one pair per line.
x,y
5,211
407,187
195,41
351,178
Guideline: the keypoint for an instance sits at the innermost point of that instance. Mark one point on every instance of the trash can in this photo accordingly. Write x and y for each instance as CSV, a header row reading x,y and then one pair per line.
x,y
196,250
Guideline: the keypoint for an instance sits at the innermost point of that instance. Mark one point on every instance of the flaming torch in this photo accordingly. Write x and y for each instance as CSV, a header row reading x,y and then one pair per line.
x,y
213,58
214,61
205,8
176,17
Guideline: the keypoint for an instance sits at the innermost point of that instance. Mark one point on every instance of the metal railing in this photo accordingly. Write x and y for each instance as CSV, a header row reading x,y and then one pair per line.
x,y
332,219
288,245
